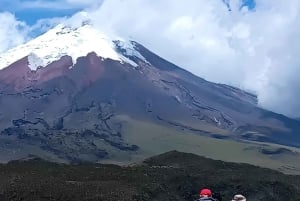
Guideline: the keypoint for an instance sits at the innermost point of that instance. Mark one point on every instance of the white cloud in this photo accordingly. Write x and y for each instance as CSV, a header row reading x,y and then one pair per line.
x,y
257,50
45,24
12,31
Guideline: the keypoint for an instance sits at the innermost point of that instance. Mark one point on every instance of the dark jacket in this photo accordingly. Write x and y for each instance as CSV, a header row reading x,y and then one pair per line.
x,y
207,199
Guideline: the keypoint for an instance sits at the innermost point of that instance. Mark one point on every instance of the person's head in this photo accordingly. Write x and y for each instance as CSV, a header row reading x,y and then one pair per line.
x,y
239,197
205,192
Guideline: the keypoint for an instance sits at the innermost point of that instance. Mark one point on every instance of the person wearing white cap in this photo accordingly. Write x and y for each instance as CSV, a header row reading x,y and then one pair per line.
x,y
239,197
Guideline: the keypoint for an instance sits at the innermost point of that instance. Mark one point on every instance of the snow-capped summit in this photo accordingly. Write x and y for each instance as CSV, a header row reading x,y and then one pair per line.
x,y
67,40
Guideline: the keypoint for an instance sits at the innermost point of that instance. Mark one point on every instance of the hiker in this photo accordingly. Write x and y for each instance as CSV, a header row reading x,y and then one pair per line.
x,y
239,197
206,195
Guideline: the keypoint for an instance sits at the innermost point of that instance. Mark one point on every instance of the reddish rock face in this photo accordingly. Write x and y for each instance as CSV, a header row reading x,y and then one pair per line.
x,y
94,67
55,69
19,76
16,75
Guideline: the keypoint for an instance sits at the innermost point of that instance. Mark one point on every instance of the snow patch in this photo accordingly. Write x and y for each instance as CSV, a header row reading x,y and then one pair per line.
x,y
129,49
67,40
34,62
126,60
178,99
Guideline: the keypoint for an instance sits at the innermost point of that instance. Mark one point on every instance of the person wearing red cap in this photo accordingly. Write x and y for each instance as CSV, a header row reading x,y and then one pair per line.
x,y
206,195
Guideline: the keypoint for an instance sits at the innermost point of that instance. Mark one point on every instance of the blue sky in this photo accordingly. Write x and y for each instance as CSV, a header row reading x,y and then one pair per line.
x,y
250,4
30,16
31,11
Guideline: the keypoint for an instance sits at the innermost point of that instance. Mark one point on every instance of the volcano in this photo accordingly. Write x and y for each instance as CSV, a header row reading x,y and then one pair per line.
x,y
75,94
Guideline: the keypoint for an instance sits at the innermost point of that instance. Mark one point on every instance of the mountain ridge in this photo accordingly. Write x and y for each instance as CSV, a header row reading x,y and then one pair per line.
x,y
73,110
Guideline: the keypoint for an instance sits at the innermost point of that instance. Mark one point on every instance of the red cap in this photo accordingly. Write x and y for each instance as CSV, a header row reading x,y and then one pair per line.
x,y
206,192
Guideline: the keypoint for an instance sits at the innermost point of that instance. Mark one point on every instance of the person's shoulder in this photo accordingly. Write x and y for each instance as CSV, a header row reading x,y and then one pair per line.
x,y
212,199
207,199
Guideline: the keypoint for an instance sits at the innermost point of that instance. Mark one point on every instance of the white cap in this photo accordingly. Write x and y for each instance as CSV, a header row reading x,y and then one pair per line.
x,y
239,197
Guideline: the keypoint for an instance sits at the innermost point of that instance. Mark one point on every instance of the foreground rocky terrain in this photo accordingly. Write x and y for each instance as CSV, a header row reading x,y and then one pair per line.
x,y
167,177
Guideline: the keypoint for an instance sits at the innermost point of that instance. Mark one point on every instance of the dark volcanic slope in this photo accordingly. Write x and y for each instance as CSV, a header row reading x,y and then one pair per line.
x,y
172,176
70,114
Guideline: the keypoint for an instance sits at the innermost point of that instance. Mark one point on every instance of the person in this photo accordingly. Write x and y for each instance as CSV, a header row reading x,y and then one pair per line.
x,y
206,195
239,197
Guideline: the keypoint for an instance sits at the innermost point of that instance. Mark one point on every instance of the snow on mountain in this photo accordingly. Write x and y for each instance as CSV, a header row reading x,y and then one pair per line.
x,y
129,49
67,40
34,61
